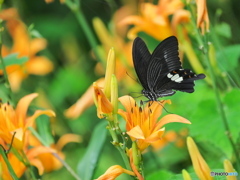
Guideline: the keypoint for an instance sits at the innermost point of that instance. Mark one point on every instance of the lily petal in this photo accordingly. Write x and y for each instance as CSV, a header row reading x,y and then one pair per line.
x,y
157,135
22,107
67,138
199,164
83,103
37,45
37,113
127,102
113,172
171,118
38,164
39,65
136,133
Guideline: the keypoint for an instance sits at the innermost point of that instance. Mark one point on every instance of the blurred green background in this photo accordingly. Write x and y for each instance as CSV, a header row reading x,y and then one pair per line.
x,y
74,64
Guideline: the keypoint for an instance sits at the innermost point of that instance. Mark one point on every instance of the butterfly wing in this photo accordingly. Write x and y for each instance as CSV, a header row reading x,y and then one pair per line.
x,y
164,59
141,60
165,72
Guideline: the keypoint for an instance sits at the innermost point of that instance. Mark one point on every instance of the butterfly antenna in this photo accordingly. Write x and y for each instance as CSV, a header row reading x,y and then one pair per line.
x,y
159,102
137,96
10,147
132,77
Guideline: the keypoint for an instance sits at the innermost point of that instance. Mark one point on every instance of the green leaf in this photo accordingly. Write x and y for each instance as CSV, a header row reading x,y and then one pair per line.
x,y
231,102
88,163
9,166
207,124
228,57
223,29
12,59
162,174
44,129
180,177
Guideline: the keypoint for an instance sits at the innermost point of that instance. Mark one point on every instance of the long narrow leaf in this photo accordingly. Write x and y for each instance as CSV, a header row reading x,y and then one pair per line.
x,y
88,163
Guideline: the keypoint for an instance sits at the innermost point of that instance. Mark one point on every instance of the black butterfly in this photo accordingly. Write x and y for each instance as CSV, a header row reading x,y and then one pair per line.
x,y
161,72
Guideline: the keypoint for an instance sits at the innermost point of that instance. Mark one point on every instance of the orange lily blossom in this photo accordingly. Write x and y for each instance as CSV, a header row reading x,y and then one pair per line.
x,y
83,103
44,158
178,138
111,39
102,96
48,160
16,121
113,172
104,106
200,166
142,124
24,46
202,16
153,19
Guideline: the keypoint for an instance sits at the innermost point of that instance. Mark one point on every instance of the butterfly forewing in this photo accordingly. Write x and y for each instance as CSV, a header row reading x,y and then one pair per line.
x,y
168,50
141,59
165,56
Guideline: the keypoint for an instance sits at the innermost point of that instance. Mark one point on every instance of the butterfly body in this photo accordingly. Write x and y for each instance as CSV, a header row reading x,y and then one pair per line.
x,y
161,73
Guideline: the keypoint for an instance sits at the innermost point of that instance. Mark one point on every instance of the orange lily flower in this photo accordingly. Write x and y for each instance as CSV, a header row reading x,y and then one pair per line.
x,y
16,120
142,124
171,136
154,19
47,160
202,16
123,53
228,167
24,46
113,172
199,164
104,106
102,96
83,103
18,166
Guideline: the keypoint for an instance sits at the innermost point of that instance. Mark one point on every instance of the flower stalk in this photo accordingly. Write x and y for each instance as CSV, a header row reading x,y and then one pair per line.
x,y
203,39
2,65
75,8
10,169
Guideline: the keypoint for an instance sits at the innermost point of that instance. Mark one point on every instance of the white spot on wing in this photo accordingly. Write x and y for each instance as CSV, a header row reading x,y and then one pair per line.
x,y
176,76
179,79
169,75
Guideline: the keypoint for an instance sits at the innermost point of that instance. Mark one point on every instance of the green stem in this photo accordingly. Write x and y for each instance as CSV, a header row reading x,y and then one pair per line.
x,y
66,166
75,7
137,158
220,107
203,41
10,169
7,84
28,164
113,131
69,169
